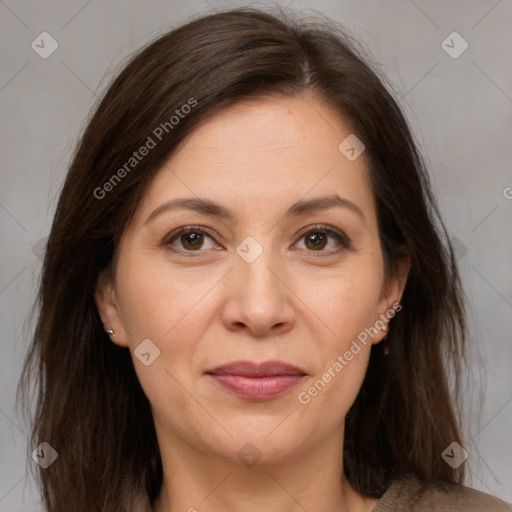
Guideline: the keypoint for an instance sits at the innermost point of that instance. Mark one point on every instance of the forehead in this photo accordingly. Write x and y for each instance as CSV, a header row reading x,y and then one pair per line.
x,y
265,151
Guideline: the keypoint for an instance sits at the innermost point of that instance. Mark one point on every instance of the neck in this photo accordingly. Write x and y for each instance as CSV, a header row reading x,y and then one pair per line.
x,y
313,480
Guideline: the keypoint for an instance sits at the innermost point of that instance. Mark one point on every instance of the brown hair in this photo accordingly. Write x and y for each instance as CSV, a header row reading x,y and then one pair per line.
x,y
90,406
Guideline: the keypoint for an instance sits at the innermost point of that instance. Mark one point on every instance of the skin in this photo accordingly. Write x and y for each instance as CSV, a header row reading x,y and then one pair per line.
x,y
294,303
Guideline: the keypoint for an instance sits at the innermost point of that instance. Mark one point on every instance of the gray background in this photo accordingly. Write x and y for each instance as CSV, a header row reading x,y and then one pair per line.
x,y
460,110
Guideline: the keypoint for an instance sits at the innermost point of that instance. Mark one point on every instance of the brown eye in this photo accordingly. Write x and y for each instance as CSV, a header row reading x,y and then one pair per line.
x,y
189,239
316,241
319,238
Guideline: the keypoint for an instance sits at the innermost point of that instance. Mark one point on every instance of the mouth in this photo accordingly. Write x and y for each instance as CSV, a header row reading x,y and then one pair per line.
x,y
255,381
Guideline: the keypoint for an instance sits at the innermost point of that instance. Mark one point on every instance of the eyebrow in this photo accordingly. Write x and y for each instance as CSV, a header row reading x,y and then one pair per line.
x,y
212,209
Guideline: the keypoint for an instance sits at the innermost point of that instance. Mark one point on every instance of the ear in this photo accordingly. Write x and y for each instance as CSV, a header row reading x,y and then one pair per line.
x,y
392,290
108,307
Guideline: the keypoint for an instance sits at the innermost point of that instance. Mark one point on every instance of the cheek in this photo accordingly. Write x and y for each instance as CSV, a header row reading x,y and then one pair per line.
x,y
158,301
344,307
345,303
170,308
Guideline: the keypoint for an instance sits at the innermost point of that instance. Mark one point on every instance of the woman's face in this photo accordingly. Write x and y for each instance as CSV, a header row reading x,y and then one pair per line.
x,y
262,282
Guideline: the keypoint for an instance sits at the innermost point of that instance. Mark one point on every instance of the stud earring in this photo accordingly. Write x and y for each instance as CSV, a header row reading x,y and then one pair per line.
x,y
110,332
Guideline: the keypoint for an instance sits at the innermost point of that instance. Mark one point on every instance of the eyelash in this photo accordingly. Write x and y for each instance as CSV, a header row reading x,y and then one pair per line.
x,y
340,237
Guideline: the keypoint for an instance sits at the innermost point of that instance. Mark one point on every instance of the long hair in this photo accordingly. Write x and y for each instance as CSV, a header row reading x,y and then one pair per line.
x,y
89,405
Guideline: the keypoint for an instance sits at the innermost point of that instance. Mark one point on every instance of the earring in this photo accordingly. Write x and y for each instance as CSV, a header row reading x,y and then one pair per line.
x,y
110,332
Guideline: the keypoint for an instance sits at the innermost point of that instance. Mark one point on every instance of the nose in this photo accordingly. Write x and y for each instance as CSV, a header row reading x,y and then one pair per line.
x,y
259,300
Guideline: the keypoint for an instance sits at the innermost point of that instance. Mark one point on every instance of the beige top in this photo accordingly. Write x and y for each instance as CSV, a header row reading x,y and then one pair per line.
x,y
411,495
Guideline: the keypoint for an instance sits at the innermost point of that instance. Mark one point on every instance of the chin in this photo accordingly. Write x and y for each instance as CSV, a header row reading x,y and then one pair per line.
x,y
263,444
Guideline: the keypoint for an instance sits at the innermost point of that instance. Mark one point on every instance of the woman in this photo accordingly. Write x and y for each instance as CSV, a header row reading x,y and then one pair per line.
x,y
248,299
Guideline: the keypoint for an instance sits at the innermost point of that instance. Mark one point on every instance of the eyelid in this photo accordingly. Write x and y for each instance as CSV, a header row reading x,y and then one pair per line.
x,y
335,233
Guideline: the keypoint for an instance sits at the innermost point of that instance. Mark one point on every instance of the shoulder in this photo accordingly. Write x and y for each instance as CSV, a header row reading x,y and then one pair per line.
x,y
411,494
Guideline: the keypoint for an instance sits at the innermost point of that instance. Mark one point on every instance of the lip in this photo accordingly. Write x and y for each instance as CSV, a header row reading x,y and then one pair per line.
x,y
256,381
